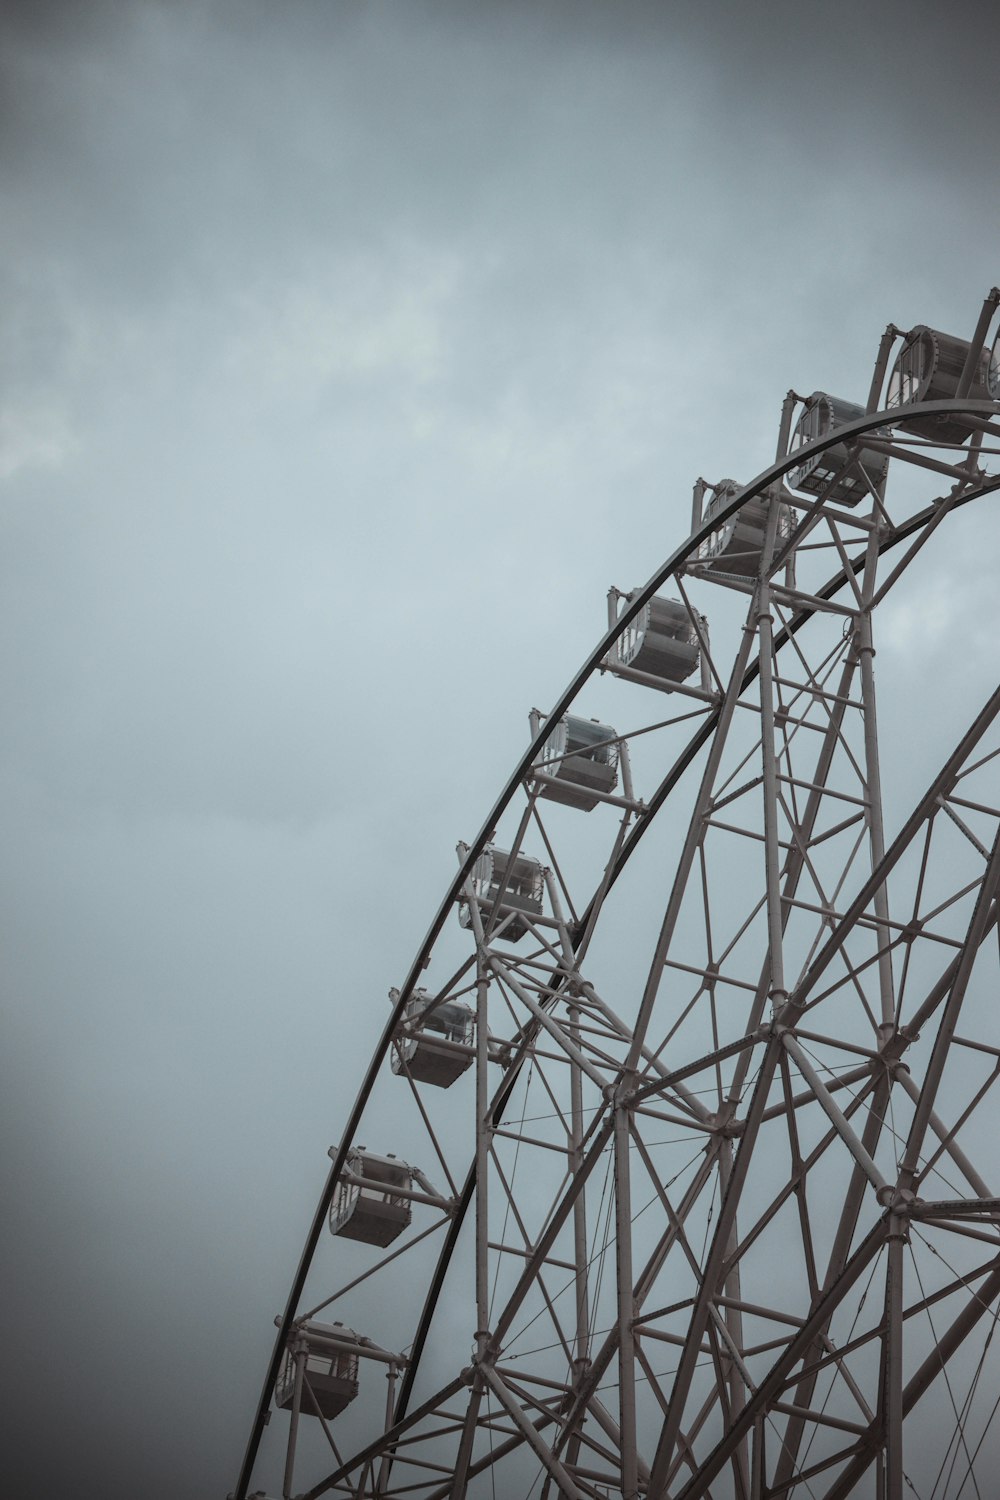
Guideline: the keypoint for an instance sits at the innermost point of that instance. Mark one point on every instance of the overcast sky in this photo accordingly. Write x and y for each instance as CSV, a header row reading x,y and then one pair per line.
x,y
351,350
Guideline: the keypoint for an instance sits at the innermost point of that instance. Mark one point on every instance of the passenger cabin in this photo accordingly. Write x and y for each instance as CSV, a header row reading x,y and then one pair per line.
x,y
928,368
582,758
330,1370
839,473
736,545
378,1211
511,883
434,1043
993,373
661,641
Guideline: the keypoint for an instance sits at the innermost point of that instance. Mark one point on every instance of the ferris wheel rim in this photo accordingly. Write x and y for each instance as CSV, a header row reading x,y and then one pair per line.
x,y
895,417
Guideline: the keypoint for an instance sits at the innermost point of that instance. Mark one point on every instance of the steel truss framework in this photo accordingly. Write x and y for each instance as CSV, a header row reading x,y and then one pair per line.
x,y
714,1211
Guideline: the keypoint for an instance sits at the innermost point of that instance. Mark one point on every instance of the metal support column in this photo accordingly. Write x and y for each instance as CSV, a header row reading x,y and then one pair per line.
x,y
482,1161
873,786
892,1365
626,1304
293,1430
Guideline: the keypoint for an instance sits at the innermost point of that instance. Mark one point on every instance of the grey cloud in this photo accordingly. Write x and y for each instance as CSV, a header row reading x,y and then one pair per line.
x,y
353,351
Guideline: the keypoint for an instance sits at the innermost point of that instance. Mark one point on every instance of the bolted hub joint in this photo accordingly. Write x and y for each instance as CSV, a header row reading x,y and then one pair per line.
x,y
897,1200
725,1125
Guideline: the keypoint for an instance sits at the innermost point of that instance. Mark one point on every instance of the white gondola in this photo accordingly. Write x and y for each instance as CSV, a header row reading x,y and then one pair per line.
x,y
581,757
660,641
511,883
434,1043
844,474
928,368
736,545
378,1211
330,1369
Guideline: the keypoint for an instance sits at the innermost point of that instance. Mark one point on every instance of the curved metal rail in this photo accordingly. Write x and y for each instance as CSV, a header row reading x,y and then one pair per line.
x,y
897,417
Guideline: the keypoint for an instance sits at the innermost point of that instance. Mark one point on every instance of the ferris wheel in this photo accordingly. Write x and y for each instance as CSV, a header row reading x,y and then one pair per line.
x,y
674,1172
